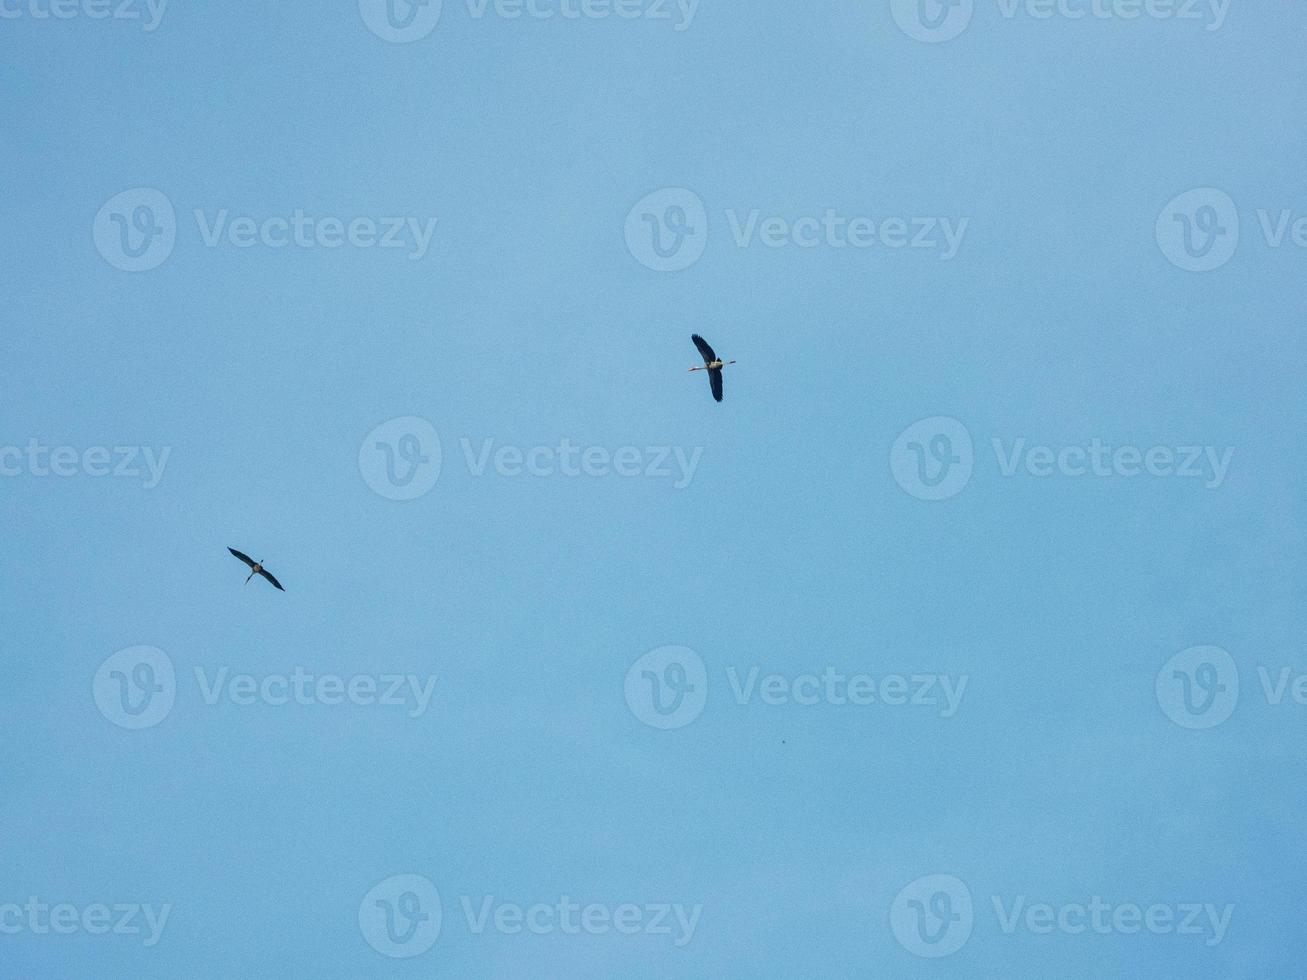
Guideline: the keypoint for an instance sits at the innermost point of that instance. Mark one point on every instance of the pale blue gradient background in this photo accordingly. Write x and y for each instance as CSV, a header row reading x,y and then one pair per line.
x,y
793,549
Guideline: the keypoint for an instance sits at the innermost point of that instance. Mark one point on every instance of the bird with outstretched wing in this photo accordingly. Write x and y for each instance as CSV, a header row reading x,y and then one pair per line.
x,y
256,568
705,349
712,364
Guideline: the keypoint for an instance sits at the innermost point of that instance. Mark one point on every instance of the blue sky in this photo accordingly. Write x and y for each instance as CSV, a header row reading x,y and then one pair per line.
x,y
735,680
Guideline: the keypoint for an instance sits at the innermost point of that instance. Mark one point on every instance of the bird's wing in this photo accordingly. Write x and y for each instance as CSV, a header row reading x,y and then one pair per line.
x,y
245,558
704,349
715,379
269,576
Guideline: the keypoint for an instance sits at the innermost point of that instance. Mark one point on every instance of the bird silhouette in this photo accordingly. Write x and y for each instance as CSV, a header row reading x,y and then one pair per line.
x,y
712,364
256,568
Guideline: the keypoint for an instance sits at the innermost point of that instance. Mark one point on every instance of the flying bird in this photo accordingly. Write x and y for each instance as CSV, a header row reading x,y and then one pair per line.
x,y
712,364
256,568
